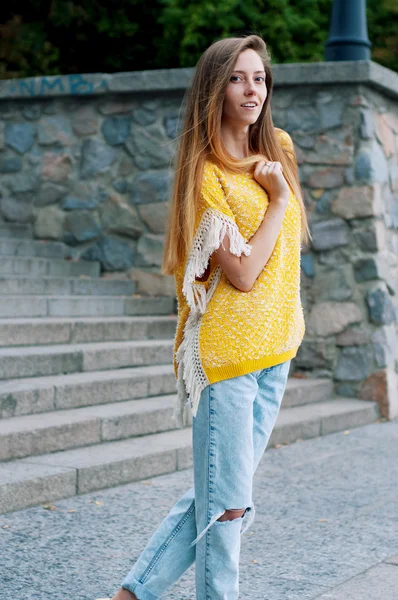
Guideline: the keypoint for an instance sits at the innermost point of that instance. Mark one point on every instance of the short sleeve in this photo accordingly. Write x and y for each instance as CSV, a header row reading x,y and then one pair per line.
x,y
287,144
214,219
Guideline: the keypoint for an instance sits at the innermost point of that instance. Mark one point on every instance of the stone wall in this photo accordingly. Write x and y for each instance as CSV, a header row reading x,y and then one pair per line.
x,y
86,159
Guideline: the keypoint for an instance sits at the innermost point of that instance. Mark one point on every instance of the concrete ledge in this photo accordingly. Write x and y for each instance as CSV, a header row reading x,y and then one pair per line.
x,y
360,72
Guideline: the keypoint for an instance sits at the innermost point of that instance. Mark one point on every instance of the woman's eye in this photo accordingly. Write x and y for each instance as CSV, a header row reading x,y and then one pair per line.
x,y
235,77
260,78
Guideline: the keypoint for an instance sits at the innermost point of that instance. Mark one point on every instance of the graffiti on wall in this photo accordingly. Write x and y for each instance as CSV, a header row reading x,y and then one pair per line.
x,y
57,85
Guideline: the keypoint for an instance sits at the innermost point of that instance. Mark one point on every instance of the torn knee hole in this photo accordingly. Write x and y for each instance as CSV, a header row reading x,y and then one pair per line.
x,y
232,513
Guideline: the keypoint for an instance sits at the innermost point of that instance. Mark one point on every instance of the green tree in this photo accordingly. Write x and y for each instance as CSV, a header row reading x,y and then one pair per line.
x,y
65,36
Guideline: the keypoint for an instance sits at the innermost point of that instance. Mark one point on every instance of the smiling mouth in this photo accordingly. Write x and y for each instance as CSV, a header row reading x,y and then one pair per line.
x,y
249,105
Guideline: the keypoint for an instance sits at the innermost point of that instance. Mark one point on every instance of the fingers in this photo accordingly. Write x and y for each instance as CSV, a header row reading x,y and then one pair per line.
x,y
266,167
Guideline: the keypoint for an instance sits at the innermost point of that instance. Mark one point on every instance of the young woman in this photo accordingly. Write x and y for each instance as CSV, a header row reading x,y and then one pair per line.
x,y
233,244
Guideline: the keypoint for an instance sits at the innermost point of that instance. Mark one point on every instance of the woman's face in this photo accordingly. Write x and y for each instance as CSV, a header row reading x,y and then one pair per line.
x,y
246,91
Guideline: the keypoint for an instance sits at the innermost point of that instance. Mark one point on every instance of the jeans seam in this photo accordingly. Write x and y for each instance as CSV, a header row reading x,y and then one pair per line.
x,y
209,468
166,543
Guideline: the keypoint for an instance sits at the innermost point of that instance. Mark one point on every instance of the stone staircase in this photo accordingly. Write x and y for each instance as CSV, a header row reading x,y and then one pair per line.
x,y
87,384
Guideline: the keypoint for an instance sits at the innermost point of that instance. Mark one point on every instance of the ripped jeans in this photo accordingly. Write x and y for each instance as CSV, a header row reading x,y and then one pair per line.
x,y
230,432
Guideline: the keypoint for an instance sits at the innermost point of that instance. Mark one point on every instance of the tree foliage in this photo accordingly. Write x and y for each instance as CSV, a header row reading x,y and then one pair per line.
x,y
65,36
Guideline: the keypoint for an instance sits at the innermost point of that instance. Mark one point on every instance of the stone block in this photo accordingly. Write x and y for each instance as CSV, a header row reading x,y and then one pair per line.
x,y
80,307
49,223
151,247
55,130
357,202
75,203
81,226
96,158
56,167
330,110
27,484
334,284
329,318
355,336
10,163
19,210
308,264
381,387
119,217
371,236
116,130
116,105
50,193
148,147
316,354
34,362
385,133
152,187
303,119
144,115
126,470
371,165
155,215
354,363
23,182
173,126
160,305
384,342
113,254
380,306
325,177
22,400
333,147
330,234
153,283
32,439
85,121
100,388
20,136
33,333
2,136
367,124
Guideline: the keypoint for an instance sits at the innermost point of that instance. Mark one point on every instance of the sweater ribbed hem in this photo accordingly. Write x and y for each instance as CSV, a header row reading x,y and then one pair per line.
x,y
248,366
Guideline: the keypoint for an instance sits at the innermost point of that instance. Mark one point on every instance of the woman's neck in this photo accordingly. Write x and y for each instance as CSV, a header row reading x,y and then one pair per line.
x,y
235,139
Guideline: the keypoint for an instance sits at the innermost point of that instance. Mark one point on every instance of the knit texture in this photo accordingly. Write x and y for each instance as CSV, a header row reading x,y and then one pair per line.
x,y
221,331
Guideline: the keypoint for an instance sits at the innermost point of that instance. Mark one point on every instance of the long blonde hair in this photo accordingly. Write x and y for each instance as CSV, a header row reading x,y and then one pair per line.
x,y
201,140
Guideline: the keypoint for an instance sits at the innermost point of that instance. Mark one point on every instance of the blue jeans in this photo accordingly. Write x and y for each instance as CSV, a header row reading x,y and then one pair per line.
x,y
230,432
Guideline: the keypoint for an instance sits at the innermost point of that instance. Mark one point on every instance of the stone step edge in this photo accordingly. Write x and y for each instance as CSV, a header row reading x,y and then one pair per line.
x,y
93,320
58,430
19,351
45,393
32,481
39,422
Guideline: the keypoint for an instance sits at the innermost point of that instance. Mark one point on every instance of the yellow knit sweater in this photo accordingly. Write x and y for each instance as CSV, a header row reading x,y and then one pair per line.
x,y
221,331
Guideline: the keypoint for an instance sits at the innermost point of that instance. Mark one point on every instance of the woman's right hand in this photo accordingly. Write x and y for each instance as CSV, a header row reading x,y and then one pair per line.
x,y
269,175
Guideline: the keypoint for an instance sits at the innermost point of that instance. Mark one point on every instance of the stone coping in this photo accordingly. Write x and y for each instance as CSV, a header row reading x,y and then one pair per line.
x,y
360,72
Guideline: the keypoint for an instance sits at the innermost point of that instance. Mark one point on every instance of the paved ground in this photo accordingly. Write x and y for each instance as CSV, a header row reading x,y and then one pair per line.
x,y
326,528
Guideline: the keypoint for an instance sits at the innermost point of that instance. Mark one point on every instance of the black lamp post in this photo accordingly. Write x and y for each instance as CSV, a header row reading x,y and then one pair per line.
x,y
348,34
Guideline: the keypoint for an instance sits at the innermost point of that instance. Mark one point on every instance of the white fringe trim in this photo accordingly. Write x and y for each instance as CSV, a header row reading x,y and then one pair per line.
x,y
191,378
212,229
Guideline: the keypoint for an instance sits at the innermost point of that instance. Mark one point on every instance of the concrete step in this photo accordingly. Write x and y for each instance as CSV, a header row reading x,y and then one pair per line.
x,y
31,248
33,435
38,361
42,394
78,306
42,267
31,481
56,286
51,330
62,429
15,230
49,477
321,418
